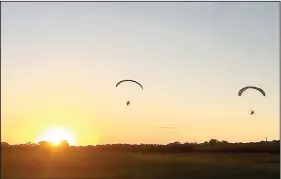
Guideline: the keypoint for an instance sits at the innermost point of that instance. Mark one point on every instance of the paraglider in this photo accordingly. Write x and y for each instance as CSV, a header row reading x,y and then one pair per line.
x,y
252,112
251,87
127,80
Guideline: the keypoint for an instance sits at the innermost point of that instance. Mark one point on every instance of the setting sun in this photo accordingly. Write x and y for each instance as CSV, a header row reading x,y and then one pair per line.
x,y
56,135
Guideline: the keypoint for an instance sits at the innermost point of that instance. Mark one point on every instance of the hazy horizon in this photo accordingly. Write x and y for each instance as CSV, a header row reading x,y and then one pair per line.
x,y
61,61
183,142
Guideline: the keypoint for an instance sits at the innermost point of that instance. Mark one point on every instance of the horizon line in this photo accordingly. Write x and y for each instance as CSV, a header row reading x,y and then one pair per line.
x,y
147,143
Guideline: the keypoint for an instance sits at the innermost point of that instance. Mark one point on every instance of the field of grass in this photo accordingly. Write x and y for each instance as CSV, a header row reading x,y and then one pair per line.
x,y
104,165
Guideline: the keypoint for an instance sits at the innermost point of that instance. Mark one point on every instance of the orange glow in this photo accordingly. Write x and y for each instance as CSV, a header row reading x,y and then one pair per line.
x,y
56,135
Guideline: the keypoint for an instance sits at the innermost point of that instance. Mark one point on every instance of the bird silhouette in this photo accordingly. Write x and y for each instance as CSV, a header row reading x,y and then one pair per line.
x,y
128,103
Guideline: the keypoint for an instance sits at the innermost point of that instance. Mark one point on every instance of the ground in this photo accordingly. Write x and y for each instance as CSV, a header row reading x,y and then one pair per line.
x,y
86,164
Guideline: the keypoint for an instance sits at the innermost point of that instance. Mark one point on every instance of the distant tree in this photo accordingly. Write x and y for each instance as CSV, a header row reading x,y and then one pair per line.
x,y
44,144
29,144
174,143
212,145
224,142
64,143
4,144
213,142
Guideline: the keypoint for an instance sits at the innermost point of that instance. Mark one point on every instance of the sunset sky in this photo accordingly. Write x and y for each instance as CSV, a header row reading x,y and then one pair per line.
x,y
60,63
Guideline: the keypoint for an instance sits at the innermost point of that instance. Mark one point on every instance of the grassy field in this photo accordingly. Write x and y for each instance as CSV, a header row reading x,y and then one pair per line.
x,y
105,165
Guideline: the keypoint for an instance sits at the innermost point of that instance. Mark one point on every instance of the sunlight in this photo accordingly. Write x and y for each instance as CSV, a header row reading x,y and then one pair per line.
x,y
56,135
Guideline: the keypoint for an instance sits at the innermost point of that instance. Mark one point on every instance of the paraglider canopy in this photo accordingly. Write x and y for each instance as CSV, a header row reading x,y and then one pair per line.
x,y
250,87
128,81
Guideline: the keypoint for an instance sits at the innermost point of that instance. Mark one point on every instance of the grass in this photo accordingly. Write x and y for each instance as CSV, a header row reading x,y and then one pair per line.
x,y
104,165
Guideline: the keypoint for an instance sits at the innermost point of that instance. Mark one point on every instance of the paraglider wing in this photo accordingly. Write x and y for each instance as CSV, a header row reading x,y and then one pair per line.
x,y
130,81
253,87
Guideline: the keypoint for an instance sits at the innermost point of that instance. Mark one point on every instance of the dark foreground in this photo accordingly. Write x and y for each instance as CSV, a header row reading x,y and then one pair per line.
x,y
109,165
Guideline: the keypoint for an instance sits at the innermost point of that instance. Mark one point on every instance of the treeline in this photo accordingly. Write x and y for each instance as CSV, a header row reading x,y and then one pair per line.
x,y
176,147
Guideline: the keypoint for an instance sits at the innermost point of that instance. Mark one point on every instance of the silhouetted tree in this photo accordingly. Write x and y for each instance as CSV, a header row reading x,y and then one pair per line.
x,y
175,147
44,144
64,143
213,142
4,145
224,142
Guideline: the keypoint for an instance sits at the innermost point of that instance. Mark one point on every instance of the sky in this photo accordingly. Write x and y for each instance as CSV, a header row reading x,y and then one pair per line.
x,y
60,62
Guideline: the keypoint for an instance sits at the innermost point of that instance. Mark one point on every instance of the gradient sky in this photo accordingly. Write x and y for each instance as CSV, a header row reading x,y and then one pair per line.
x,y
60,63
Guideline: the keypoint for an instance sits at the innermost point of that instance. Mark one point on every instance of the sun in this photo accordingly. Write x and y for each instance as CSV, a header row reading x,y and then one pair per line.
x,y
55,135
